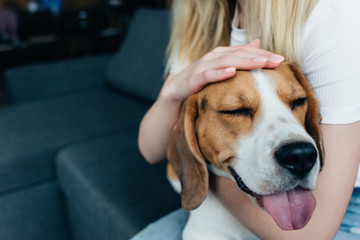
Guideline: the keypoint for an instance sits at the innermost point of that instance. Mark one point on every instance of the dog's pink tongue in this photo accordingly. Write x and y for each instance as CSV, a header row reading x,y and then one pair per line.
x,y
291,209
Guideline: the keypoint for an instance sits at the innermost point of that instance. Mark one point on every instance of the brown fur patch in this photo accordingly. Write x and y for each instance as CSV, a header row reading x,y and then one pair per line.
x,y
217,132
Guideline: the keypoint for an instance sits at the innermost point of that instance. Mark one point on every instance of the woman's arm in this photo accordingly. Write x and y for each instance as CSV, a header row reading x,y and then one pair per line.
x,y
217,65
156,126
333,191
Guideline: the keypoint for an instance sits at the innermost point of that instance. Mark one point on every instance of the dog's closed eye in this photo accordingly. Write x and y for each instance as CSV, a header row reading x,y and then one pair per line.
x,y
298,103
239,112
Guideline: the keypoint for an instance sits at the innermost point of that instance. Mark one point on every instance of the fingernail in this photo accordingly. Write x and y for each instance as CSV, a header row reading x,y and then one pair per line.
x,y
260,59
230,70
276,59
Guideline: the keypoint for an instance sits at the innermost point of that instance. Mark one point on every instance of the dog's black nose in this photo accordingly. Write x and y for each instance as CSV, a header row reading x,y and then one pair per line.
x,y
298,158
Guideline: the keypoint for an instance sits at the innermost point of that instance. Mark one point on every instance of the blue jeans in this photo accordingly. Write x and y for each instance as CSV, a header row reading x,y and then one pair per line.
x,y
171,226
350,226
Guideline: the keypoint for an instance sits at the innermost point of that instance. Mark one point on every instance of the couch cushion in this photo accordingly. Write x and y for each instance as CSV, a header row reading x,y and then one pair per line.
x,y
34,213
31,134
112,193
34,82
138,67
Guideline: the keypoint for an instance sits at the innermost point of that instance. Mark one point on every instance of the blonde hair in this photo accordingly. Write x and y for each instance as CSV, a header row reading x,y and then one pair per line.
x,y
201,25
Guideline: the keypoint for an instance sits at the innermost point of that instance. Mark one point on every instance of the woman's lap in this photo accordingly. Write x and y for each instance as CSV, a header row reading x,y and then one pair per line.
x,y
170,227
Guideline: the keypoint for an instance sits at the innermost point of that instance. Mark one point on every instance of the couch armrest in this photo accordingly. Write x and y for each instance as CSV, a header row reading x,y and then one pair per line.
x,y
111,191
47,80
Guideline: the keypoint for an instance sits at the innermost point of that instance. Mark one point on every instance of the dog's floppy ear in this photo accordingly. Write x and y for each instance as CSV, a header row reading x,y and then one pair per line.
x,y
185,157
313,117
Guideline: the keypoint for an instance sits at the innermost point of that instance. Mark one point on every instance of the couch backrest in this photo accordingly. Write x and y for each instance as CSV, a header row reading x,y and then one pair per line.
x,y
138,66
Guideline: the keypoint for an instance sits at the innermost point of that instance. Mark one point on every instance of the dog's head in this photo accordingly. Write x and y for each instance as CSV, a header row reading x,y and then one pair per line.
x,y
261,129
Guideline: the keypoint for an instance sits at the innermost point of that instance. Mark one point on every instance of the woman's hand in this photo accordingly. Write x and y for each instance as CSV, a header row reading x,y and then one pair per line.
x,y
217,65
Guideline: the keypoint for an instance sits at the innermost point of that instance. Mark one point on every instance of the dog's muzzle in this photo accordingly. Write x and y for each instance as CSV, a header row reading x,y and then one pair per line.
x,y
291,208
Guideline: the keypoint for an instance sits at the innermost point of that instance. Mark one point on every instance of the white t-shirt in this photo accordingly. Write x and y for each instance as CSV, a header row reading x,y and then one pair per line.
x,y
331,59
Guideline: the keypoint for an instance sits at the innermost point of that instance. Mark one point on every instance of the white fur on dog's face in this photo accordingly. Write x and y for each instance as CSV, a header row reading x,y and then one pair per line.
x,y
255,152
275,124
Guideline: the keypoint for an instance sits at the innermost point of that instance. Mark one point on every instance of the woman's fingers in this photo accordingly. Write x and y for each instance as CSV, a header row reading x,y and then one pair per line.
x,y
243,49
250,51
213,75
250,47
238,62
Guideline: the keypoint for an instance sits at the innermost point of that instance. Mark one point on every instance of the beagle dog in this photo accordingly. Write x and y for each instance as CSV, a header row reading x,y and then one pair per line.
x,y
261,129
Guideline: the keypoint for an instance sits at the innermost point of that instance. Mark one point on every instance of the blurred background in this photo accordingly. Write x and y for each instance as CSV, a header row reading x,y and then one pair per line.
x,y
76,78
33,31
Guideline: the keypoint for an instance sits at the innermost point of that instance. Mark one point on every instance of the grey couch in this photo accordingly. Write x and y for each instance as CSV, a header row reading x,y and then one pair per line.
x,y
69,162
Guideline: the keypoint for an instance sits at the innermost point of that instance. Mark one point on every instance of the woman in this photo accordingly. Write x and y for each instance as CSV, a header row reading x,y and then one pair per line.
x,y
315,35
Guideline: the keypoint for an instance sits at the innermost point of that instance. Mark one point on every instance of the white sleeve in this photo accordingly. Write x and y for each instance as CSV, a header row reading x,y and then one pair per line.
x,y
331,59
